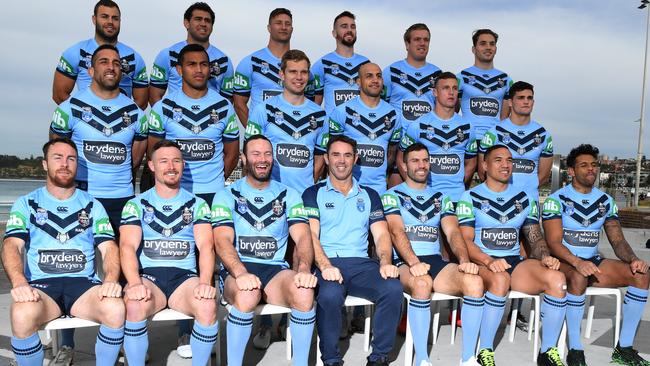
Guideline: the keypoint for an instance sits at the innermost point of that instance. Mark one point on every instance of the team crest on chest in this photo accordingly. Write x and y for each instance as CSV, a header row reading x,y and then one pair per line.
x,y
177,115
460,135
568,208
335,69
279,117
277,208
149,214
86,114
41,216
518,206
538,139
187,215
83,219
62,237
167,232
313,123
431,133
361,204
521,151
485,206
601,210
214,116
124,65
259,226
586,222
215,69
126,118
501,82
242,205
356,119
503,219
424,218
265,68
436,204
387,123
407,203
402,78
506,138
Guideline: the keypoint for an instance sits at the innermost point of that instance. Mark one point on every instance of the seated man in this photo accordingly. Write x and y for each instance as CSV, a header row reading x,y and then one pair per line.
x,y
160,232
252,220
491,216
415,215
59,226
573,217
341,211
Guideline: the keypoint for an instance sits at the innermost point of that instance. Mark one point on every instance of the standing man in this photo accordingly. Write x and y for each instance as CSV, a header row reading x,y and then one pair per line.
x,y
252,221
482,87
76,61
335,74
258,75
409,82
371,122
198,20
491,217
161,231
416,214
341,213
56,229
530,144
573,218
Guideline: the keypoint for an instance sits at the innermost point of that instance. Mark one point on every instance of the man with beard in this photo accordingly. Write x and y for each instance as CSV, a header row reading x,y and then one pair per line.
x,y
341,213
57,228
76,61
491,217
161,231
409,82
573,217
257,76
416,213
198,20
374,124
252,220
335,74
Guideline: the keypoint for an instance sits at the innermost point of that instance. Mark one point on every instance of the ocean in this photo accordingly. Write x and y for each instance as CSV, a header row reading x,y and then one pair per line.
x,y
11,189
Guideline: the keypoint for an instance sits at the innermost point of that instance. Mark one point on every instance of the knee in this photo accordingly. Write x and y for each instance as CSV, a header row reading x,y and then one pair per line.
x,y
206,311
24,319
393,291
422,287
302,299
500,284
330,295
246,301
112,312
642,280
576,283
472,285
138,310
556,283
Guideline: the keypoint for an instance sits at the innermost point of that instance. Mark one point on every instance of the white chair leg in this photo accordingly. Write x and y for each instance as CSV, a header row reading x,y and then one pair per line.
x,y
55,342
436,321
590,315
536,337
366,328
561,342
408,343
319,362
617,320
288,342
454,313
513,321
530,322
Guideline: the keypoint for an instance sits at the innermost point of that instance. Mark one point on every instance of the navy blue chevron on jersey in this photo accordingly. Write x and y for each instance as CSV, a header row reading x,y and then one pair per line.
x,y
421,211
60,235
497,217
583,216
201,127
296,133
449,142
165,76
258,76
335,77
481,94
167,227
261,219
527,144
410,89
75,62
373,129
104,131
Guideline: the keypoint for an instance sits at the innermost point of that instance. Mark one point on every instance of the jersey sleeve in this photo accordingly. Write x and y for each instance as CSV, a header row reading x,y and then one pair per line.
x,y
388,87
336,122
131,214
202,212
509,83
227,82
102,228
396,134
533,213
140,78
243,74
489,139
461,84
222,207
256,121
376,207
318,77
141,128
552,208
231,128
547,152
157,121
310,201
465,210
390,203
160,70
321,140
447,207
62,123
410,135
471,149
18,222
69,63
612,214
296,213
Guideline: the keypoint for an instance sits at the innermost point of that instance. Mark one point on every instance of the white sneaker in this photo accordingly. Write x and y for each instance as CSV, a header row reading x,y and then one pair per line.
x,y
471,362
184,350
262,339
64,357
425,363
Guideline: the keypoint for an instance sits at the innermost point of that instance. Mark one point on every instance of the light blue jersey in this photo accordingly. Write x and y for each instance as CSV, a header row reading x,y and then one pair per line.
x,y
497,217
583,216
200,127
373,129
104,132
481,94
527,144
410,89
421,211
75,62
167,227
449,142
335,78
60,235
344,219
164,74
258,77
296,133
260,218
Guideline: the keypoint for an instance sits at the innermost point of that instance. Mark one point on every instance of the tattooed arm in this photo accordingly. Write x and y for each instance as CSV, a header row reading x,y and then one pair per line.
x,y
533,234
621,247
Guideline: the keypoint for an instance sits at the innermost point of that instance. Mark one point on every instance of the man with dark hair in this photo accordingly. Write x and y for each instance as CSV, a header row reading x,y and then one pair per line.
x,y
416,214
198,20
530,144
482,87
75,61
573,218
252,221
341,214
491,217
409,82
335,74
258,75
56,229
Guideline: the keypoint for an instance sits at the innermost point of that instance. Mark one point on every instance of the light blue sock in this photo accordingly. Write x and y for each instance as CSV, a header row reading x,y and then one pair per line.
x,y
633,303
202,341
108,344
575,309
238,330
553,312
470,315
492,314
419,314
28,351
301,325
136,342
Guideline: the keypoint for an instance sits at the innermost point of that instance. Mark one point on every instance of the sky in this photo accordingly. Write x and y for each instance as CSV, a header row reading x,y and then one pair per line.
x,y
584,57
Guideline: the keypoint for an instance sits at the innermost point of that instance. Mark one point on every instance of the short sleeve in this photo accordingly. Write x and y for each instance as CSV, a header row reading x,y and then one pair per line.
x,y
310,201
489,140
131,214
222,206
461,84
388,88
321,142
61,123
227,85
376,207
552,209
533,213
547,152
256,121
390,203
231,129
396,134
140,78
18,221
410,135
318,77
465,210
242,83
157,121
447,207
612,214
296,213
142,127
336,122
69,63
160,71
102,228
202,212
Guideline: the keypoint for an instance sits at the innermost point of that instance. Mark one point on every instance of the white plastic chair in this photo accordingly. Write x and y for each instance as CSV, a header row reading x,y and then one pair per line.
x,y
534,318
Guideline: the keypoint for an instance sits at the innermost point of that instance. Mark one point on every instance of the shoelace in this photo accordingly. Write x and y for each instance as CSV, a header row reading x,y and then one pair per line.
x,y
487,358
554,356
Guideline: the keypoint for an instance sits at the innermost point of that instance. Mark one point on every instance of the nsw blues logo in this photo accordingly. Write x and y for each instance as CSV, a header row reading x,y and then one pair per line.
x,y
149,214
431,133
265,68
407,203
335,69
279,117
356,119
568,208
485,206
361,204
242,205
41,216
506,138
86,114
177,115
402,78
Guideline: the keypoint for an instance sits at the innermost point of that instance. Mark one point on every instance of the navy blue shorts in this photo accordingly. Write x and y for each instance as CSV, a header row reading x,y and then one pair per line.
x,y
513,261
113,207
65,290
597,260
167,279
207,197
265,272
435,262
